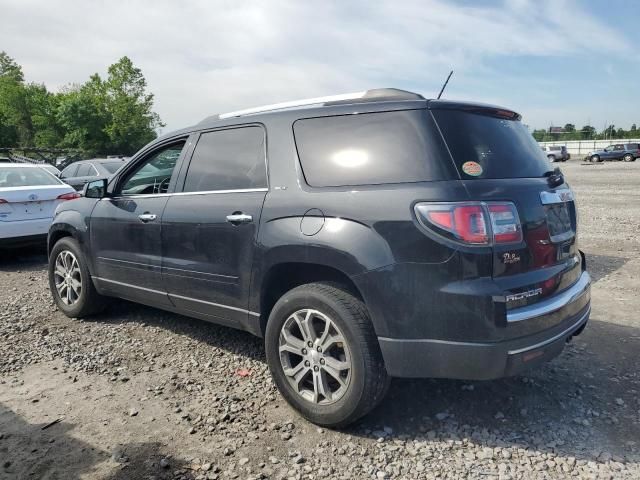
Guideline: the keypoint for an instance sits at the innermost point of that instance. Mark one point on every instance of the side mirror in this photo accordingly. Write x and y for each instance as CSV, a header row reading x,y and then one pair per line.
x,y
95,189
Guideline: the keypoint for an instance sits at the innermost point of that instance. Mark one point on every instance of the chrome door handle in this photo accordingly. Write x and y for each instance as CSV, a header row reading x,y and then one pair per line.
x,y
238,218
147,217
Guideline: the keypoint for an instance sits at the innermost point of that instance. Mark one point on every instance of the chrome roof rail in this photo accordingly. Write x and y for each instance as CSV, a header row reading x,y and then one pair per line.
x,y
380,94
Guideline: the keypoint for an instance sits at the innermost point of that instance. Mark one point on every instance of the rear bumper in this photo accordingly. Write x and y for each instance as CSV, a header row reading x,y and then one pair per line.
x,y
422,358
14,232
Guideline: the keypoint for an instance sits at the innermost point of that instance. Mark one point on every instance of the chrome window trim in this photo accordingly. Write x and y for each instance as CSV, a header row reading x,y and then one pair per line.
x,y
552,304
568,331
208,192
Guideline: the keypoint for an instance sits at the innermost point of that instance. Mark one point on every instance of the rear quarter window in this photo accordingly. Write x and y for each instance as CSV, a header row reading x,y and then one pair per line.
x,y
371,148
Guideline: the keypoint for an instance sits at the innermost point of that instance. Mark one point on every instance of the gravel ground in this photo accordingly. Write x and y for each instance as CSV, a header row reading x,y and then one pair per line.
x,y
138,393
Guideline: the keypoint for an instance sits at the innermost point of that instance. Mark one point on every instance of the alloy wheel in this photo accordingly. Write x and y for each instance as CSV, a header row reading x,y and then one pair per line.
x,y
67,277
315,357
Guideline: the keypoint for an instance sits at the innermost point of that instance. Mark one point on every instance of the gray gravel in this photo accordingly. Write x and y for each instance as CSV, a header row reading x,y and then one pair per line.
x,y
147,394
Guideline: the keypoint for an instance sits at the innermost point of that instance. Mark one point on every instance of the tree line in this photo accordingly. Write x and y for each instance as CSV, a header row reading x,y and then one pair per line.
x,y
586,133
103,116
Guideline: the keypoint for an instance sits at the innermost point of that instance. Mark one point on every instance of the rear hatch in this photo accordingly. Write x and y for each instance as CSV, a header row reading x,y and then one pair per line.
x,y
499,162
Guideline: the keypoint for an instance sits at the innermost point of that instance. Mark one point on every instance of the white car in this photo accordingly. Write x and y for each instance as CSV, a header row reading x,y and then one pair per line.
x,y
29,196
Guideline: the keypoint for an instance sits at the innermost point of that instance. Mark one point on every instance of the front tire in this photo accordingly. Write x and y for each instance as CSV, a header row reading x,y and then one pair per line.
x,y
70,281
324,355
595,158
551,158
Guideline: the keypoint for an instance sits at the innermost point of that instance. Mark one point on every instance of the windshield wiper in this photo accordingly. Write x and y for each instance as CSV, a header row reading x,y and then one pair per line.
x,y
555,178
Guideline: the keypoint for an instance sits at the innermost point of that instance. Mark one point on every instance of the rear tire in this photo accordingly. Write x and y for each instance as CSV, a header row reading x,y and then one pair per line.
x,y
301,369
551,158
70,281
628,158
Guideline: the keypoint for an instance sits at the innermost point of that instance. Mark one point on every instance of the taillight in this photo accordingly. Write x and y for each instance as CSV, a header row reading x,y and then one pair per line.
x,y
473,223
69,196
2,200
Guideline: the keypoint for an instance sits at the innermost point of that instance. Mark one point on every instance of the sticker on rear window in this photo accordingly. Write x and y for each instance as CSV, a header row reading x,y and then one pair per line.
x,y
473,169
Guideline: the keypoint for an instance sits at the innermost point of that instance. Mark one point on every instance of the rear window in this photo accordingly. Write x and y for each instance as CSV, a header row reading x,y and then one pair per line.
x,y
484,146
370,148
112,167
25,177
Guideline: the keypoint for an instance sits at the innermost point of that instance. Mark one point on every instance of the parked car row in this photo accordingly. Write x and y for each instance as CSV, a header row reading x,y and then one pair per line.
x,y
556,153
30,193
627,152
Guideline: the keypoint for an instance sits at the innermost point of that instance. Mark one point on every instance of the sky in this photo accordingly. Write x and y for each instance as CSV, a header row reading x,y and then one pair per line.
x,y
555,62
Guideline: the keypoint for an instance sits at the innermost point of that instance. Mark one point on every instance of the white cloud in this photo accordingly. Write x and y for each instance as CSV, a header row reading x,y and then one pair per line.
x,y
203,57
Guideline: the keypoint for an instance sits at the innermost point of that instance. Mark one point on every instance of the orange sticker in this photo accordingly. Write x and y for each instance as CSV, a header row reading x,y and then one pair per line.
x,y
473,169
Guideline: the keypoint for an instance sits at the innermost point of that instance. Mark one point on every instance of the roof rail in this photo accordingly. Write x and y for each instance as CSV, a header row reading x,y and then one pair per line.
x,y
378,94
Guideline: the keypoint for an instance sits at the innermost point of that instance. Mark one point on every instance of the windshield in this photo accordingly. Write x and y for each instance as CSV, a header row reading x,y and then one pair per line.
x,y
484,146
112,167
25,177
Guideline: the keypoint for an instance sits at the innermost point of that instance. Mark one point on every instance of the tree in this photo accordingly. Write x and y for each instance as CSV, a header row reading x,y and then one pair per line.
x,y
569,128
132,120
539,134
98,117
10,69
112,116
82,113
588,132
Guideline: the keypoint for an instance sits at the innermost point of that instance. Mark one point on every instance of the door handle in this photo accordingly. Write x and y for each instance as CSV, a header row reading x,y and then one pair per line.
x,y
147,217
237,218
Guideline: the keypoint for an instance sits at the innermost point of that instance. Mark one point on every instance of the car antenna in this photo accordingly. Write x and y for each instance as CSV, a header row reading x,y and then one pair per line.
x,y
445,84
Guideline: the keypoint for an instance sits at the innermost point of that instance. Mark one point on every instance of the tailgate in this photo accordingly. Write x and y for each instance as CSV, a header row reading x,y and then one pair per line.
x,y
547,261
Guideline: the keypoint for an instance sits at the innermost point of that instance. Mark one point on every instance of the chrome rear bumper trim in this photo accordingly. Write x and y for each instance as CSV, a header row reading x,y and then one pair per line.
x,y
566,332
544,307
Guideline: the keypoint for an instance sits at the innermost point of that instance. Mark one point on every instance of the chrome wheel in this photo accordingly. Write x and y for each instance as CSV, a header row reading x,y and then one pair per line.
x,y
315,357
67,277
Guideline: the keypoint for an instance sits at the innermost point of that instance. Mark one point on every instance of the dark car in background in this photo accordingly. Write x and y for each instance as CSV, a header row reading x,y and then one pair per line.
x,y
79,173
556,153
619,151
363,236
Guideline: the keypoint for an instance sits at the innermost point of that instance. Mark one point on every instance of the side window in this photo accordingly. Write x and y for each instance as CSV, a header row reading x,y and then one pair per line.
x,y
84,170
153,174
230,159
371,148
93,172
70,171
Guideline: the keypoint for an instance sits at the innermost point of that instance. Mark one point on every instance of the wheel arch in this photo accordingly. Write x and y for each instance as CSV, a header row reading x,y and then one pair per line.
x,y
281,277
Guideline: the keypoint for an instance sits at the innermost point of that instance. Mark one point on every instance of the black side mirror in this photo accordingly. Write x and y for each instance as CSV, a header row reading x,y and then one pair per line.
x,y
95,189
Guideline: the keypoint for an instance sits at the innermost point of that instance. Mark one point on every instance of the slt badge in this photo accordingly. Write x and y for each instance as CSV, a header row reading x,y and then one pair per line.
x,y
508,258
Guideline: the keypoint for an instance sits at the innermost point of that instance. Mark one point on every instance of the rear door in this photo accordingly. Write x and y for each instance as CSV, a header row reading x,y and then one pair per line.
x,y
86,173
126,227
209,228
509,167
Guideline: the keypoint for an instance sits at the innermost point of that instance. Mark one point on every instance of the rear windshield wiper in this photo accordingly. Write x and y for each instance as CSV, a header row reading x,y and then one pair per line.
x,y
555,178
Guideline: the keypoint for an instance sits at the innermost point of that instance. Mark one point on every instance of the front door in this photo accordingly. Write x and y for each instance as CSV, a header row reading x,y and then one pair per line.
x,y
126,227
210,226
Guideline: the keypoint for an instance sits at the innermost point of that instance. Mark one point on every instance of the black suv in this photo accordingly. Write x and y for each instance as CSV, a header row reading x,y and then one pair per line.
x,y
364,236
